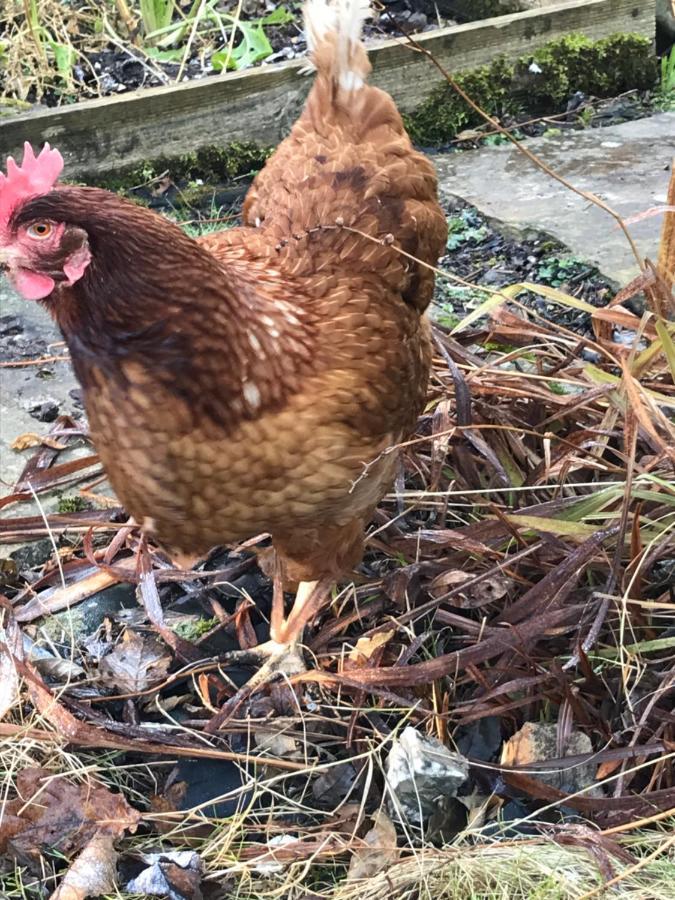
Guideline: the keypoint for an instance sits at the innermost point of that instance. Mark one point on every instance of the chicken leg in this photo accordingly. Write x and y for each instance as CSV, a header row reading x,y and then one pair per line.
x,y
282,653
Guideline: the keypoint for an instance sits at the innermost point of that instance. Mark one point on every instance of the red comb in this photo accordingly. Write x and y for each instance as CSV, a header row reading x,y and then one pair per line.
x,y
36,175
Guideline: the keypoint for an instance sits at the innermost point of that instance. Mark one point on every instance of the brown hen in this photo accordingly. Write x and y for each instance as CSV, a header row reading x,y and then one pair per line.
x,y
252,381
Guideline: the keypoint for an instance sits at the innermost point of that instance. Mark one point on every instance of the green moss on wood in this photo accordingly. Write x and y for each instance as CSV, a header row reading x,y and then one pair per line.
x,y
540,81
444,113
474,10
209,164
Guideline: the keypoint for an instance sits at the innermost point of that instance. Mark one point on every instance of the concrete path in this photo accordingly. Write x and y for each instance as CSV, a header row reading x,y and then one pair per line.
x,y
27,332
628,166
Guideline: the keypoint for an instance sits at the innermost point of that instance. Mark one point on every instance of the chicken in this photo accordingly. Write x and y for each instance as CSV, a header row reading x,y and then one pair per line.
x,y
255,380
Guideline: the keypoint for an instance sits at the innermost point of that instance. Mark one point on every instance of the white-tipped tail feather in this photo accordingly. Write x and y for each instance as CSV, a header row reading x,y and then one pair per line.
x,y
333,29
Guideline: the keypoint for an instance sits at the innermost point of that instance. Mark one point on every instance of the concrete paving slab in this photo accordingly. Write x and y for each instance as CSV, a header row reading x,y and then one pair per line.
x,y
628,166
27,332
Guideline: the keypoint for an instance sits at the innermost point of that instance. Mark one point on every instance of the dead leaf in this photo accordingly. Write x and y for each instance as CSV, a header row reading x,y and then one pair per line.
x,y
136,663
48,706
379,850
93,872
53,600
11,649
276,743
487,590
495,587
30,439
469,134
51,811
25,441
607,768
366,647
57,668
439,586
267,863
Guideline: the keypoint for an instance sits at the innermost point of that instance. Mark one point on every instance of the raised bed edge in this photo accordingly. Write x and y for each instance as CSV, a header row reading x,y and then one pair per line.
x,y
98,137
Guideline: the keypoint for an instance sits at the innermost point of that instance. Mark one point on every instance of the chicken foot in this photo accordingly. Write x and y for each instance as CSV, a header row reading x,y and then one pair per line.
x,y
282,654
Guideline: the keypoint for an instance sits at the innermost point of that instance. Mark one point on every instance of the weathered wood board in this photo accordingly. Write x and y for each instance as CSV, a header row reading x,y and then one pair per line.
x,y
100,136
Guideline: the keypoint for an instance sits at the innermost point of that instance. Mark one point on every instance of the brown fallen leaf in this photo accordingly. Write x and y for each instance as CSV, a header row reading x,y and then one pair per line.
x,y
487,590
442,583
469,134
53,600
379,850
30,439
11,649
607,768
25,441
366,646
93,872
136,663
51,811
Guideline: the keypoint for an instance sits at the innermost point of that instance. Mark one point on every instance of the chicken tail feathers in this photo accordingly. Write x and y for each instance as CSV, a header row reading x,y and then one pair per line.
x,y
333,29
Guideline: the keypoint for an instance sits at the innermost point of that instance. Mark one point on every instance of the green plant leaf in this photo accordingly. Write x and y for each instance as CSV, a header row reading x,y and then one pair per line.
x,y
64,57
164,56
278,16
667,343
156,14
252,48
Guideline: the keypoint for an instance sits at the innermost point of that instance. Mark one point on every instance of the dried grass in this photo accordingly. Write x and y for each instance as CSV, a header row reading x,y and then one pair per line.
x,y
41,41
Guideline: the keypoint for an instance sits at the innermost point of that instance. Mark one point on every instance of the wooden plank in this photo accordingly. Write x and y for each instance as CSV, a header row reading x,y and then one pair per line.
x,y
100,136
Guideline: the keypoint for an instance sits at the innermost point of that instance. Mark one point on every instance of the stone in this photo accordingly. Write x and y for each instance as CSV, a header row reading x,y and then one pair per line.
x,y
10,325
626,165
46,411
538,742
421,771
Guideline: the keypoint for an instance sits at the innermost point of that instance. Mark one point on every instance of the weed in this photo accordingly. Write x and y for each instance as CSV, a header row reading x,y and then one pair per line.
x,y
555,270
45,43
193,629
71,504
196,222
156,14
665,95
465,228
254,45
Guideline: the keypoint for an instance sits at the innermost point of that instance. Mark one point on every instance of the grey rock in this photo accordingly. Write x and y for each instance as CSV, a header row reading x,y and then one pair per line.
x,y
421,771
10,325
105,604
33,554
46,411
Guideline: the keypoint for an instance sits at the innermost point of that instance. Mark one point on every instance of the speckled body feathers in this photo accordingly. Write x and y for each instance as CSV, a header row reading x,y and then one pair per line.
x,y
253,382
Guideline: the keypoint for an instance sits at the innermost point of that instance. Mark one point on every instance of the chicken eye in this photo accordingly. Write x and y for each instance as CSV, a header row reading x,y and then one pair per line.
x,y
39,230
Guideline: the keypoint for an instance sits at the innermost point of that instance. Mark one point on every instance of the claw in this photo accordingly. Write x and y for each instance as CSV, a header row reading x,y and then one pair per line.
x,y
278,659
